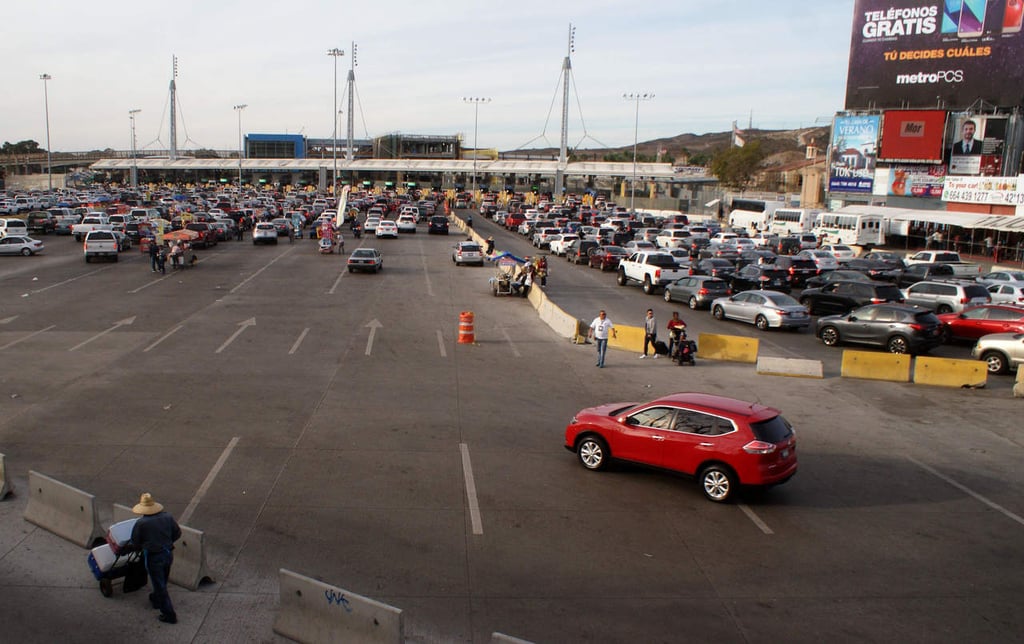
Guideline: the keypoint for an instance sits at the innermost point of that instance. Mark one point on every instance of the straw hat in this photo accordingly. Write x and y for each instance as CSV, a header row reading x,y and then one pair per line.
x,y
147,505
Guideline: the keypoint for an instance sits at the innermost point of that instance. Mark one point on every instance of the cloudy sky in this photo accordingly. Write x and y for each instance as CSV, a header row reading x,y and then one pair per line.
x,y
707,62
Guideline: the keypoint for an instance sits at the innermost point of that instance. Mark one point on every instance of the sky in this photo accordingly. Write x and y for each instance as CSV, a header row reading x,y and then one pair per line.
x,y
780,64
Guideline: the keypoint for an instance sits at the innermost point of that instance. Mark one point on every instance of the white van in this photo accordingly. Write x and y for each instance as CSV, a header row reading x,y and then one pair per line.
x,y
13,227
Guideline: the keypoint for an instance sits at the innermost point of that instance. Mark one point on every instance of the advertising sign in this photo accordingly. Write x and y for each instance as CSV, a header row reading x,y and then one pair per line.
x,y
913,135
854,141
984,190
906,180
976,146
928,53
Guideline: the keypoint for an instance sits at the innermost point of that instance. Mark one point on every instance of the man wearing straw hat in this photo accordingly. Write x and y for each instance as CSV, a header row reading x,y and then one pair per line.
x,y
154,535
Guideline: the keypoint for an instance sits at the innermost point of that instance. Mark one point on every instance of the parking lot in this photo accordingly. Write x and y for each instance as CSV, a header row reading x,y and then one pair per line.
x,y
349,425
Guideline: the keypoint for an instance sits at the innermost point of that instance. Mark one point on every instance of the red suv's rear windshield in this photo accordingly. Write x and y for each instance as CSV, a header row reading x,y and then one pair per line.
x,y
773,430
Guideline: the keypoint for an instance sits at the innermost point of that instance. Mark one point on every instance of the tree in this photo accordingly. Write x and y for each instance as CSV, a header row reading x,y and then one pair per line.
x,y
21,147
735,167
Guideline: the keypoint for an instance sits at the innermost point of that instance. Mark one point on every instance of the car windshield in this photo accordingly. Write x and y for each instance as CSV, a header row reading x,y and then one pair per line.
x,y
773,430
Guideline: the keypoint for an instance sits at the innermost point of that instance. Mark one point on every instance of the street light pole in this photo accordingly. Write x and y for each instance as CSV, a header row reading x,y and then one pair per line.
x,y
335,53
476,119
46,103
635,97
239,108
135,167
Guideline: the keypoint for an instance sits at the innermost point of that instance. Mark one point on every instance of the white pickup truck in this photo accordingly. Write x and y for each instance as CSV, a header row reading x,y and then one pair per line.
x,y
960,267
100,243
650,269
89,224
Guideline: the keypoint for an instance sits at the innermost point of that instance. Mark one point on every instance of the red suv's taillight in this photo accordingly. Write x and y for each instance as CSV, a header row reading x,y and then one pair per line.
x,y
759,447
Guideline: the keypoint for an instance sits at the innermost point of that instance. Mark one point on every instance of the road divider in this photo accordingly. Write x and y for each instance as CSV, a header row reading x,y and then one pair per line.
x,y
630,338
1018,386
870,365
730,348
5,487
63,510
772,366
189,569
312,611
949,372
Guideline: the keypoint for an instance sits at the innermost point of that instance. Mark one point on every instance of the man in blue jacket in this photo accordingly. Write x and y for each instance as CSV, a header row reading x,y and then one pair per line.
x,y
154,535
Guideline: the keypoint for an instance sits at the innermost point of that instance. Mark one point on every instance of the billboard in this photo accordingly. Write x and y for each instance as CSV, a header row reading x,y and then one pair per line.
x,y
911,180
935,53
854,142
976,144
913,136
984,190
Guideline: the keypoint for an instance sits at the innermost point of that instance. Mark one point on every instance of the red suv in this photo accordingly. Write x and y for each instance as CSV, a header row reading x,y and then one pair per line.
x,y
723,442
207,235
982,320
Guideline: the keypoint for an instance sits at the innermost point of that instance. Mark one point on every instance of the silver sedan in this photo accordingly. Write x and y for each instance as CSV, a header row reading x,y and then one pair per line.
x,y
764,309
20,245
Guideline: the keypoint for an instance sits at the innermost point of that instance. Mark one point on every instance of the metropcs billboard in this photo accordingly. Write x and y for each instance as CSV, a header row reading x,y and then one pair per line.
x,y
942,53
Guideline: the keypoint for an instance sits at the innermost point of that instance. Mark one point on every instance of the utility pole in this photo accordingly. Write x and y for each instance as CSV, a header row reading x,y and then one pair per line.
x,y
335,53
476,118
46,102
135,166
635,97
239,108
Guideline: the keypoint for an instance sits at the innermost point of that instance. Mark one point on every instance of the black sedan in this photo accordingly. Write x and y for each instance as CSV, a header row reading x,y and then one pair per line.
x,y
899,328
720,268
842,296
836,276
758,276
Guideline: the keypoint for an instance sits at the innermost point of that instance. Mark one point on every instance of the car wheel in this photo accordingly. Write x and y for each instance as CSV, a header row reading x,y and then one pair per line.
x,y
947,335
351,270
88,260
944,308
719,313
593,453
621,279
897,344
761,322
668,295
693,303
996,362
649,286
830,336
26,252
717,483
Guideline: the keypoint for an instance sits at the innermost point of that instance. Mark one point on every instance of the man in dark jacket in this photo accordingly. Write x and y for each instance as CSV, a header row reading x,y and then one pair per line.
x,y
154,535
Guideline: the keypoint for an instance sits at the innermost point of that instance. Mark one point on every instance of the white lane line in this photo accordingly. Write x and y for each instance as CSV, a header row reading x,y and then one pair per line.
x,y
268,265
163,337
334,286
242,326
373,325
440,345
302,336
474,505
31,335
756,519
118,324
148,284
508,339
426,276
194,503
995,506
68,281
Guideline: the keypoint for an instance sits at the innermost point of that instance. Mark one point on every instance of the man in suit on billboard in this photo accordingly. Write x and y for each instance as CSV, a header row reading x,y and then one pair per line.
x,y
967,144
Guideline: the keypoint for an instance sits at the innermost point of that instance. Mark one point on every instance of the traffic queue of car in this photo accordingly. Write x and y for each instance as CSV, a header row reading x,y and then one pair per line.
x,y
874,300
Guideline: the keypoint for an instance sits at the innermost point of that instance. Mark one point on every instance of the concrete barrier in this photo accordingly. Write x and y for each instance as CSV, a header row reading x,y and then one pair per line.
x,y
501,638
870,365
312,611
5,488
630,338
63,510
560,322
771,366
947,372
1018,386
189,569
732,348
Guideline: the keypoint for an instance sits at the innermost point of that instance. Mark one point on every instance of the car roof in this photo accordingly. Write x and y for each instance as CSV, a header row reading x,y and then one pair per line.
x,y
723,404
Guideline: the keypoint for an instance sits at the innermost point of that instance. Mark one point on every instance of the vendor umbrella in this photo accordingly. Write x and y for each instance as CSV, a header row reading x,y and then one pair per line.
x,y
181,235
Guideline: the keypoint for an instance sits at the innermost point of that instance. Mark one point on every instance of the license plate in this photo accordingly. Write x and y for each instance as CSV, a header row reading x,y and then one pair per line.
x,y
798,314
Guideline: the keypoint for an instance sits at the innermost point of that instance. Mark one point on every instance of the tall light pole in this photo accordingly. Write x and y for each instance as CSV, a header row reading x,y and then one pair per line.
x,y
335,53
476,120
239,108
635,97
135,166
46,103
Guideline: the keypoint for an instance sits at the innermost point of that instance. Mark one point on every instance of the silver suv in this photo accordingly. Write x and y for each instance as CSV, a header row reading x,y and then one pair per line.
x,y
947,296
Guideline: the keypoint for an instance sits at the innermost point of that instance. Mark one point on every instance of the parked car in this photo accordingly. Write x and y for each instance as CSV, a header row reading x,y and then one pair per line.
x,y
607,258
578,251
20,245
467,252
842,296
264,232
824,260
1003,277
841,252
760,276
1006,293
894,260
836,276
41,222
65,225
899,328
698,291
972,323
800,269
365,259
558,243
764,309
720,268
872,268
946,297
1002,352
725,443
438,225
755,256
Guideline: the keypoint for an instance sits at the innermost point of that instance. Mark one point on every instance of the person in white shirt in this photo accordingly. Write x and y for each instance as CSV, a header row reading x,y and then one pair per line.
x,y
599,330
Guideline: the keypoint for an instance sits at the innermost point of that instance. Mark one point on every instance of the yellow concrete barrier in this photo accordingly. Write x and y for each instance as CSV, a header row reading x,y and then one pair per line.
x,y
870,365
630,338
5,489
947,372
1018,387
733,348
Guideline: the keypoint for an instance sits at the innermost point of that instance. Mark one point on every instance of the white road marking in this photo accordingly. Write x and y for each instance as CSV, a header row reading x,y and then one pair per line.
x,y
474,505
298,341
508,339
242,326
187,514
9,320
268,265
374,324
148,284
163,337
440,345
426,274
68,281
30,335
995,506
756,519
334,286
120,323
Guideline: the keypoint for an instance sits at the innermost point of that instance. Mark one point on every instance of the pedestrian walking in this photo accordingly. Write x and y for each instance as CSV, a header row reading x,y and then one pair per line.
x,y
240,232
599,330
154,256
154,535
161,260
650,333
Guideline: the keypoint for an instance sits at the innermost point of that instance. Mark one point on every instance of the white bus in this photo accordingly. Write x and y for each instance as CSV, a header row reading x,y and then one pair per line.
x,y
851,229
752,214
792,221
